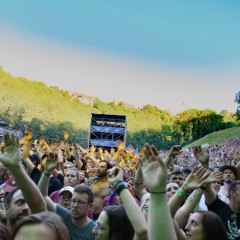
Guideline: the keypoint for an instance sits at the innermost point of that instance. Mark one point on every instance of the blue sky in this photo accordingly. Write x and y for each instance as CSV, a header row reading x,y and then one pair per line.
x,y
190,49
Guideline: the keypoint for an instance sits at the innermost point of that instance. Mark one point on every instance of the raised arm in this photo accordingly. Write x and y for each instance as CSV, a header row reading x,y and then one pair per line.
x,y
194,180
138,181
51,163
160,224
202,156
25,154
75,153
174,151
115,178
11,159
193,200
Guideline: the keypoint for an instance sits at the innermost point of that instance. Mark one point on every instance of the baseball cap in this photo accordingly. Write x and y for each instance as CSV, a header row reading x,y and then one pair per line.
x,y
66,189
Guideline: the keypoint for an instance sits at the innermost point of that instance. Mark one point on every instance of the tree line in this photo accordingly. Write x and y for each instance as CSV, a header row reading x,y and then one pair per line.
x,y
49,111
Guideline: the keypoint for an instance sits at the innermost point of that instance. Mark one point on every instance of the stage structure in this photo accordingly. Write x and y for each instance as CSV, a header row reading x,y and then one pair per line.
x,y
107,130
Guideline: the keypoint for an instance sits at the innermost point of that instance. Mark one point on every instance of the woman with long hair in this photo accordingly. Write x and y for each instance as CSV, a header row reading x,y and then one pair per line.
x,y
205,225
121,222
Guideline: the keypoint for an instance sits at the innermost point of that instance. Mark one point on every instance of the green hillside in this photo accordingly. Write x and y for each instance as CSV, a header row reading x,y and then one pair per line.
x,y
217,137
50,110
54,105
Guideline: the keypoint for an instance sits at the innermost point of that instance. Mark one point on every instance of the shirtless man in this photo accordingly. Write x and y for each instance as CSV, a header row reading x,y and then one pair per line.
x,y
100,187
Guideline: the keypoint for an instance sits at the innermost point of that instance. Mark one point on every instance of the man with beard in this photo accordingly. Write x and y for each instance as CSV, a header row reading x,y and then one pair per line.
x,y
26,199
100,187
230,173
16,207
76,219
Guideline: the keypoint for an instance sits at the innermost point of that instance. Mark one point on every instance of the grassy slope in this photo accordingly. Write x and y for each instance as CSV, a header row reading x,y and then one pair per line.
x,y
48,103
217,137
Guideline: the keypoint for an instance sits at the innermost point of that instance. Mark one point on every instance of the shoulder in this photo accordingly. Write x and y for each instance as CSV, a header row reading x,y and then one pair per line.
x,y
218,206
63,212
92,180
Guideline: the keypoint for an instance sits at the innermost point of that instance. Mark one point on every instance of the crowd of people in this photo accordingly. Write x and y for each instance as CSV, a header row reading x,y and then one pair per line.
x,y
63,191
4,130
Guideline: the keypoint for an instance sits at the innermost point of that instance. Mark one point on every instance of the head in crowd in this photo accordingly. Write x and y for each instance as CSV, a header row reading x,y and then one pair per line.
x,y
103,167
204,225
216,186
10,184
3,173
186,171
35,159
82,176
113,224
119,201
230,173
234,190
65,196
71,177
171,188
43,225
81,202
130,182
177,177
16,207
67,165
93,172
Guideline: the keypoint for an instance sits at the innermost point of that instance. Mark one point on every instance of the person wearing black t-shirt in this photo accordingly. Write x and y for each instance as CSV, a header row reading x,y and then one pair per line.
x,y
229,213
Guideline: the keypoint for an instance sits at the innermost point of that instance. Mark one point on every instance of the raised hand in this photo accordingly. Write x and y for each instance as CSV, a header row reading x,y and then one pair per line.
x,y
115,175
92,148
201,156
196,179
112,152
174,151
214,177
54,144
121,146
52,162
106,153
154,169
11,156
41,141
66,136
100,150
28,135
82,149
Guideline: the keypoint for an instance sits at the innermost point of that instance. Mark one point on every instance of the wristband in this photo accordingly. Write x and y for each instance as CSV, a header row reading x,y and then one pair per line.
x,y
181,194
46,174
120,186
